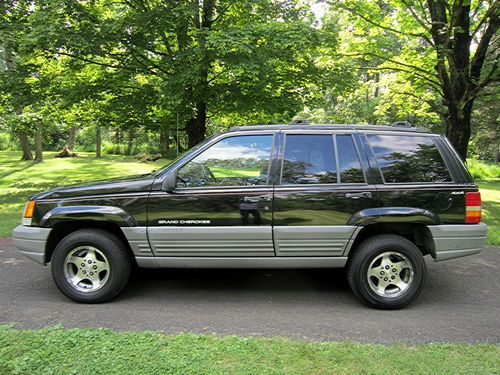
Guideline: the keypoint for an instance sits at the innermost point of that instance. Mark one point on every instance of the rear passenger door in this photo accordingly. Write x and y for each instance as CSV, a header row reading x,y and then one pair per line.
x,y
324,181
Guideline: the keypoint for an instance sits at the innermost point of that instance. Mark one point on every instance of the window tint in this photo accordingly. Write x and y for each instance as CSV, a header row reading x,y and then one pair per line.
x,y
349,165
309,159
233,161
408,158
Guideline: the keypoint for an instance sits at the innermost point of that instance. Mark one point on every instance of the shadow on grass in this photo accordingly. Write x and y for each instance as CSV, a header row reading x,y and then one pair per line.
x,y
8,173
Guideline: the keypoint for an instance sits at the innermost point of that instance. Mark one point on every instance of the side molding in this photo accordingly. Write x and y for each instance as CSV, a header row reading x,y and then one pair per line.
x,y
137,238
241,262
92,213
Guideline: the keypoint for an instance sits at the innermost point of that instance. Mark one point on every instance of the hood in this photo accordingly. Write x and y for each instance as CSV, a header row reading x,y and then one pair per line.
x,y
123,185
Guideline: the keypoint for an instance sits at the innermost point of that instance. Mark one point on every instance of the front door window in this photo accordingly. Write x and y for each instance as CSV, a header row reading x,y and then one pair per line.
x,y
233,161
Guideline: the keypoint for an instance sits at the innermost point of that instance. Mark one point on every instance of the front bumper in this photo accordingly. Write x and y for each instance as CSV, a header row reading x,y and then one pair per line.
x,y
455,241
31,241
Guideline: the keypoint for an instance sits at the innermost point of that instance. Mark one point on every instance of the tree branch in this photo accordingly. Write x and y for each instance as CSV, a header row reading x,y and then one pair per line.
x,y
477,61
487,80
421,22
434,84
367,19
93,62
435,107
423,71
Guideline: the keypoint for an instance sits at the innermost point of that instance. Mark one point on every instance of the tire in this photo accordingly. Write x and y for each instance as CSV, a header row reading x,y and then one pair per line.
x,y
91,266
378,264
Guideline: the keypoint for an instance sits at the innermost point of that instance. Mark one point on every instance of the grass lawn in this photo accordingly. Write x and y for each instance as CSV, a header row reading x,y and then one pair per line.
x,y
19,180
490,195
101,351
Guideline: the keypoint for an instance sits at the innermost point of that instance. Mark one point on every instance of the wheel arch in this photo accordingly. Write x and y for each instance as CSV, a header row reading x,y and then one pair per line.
x,y
63,229
417,233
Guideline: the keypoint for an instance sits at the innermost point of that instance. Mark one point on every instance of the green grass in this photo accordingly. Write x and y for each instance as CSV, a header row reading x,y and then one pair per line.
x,y
102,351
490,196
21,179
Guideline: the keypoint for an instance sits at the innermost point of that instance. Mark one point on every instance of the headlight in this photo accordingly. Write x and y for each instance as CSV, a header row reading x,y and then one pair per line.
x,y
28,213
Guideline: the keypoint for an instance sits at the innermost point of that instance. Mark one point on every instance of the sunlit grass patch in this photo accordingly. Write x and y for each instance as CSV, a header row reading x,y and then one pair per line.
x,y
21,179
490,195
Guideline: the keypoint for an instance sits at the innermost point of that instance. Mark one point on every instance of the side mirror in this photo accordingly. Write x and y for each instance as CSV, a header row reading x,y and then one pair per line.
x,y
170,182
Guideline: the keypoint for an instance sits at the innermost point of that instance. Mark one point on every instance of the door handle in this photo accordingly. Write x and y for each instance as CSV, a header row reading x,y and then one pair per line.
x,y
365,194
257,199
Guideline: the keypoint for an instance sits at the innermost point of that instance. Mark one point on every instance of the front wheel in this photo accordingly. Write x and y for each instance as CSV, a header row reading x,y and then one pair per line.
x,y
386,271
91,266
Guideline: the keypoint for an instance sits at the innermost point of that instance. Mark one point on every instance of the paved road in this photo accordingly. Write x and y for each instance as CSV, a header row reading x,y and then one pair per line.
x,y
460,303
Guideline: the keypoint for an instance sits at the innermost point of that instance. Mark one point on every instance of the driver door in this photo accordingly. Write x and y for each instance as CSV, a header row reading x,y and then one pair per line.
x,y
222,205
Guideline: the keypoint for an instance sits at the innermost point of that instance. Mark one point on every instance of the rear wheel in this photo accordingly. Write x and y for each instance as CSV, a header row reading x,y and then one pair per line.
x,y
91,266
386,271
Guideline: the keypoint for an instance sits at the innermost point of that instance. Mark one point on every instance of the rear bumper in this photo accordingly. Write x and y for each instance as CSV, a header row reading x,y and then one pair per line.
x,y
31,241
455,241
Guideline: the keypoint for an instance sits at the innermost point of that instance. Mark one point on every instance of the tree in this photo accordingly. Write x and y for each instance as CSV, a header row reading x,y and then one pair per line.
x,y
202,57
452,47
12,17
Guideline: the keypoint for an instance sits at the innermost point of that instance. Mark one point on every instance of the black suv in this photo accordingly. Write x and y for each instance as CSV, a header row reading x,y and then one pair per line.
x,y
375,199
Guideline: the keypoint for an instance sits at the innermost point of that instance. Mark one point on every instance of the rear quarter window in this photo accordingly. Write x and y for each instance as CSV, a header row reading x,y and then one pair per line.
x,y
409,158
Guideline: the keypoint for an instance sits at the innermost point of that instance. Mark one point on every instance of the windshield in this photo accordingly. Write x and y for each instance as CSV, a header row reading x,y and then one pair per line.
x,y
162,170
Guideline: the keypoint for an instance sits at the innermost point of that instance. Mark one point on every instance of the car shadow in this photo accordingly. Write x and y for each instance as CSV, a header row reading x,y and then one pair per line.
x,y
240,281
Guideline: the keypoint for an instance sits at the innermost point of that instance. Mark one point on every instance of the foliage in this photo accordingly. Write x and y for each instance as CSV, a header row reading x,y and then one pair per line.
x,y
446,54
485,143
56,350
483,170
139,69
190,59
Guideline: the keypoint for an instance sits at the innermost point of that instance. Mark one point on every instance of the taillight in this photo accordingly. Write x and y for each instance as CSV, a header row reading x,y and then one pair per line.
x,y
472,207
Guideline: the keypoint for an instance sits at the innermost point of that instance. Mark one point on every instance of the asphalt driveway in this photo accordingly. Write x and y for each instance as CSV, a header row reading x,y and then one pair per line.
x,y
460,303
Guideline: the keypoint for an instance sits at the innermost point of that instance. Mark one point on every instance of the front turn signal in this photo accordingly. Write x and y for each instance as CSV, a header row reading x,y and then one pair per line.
x,y
29,209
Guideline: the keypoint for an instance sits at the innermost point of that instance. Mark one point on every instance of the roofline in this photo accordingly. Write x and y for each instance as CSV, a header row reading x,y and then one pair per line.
x,y
328,127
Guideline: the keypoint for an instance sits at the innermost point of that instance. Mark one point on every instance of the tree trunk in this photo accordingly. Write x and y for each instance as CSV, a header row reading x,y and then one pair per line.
x,y
25,146
130,141
71,138
197,125
39,144
98,142
164,142
117,136
458,129
10,64
496,154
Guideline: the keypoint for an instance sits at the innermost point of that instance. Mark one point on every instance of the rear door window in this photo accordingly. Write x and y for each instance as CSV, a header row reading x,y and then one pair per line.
x,y
350,170
408,158
309,159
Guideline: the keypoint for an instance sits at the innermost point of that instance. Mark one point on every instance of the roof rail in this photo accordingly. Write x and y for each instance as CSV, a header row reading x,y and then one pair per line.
x,y
410,129
300,121
402,124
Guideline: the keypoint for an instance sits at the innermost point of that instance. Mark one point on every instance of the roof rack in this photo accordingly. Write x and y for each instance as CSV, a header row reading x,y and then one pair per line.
x,y
402,124
411,129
